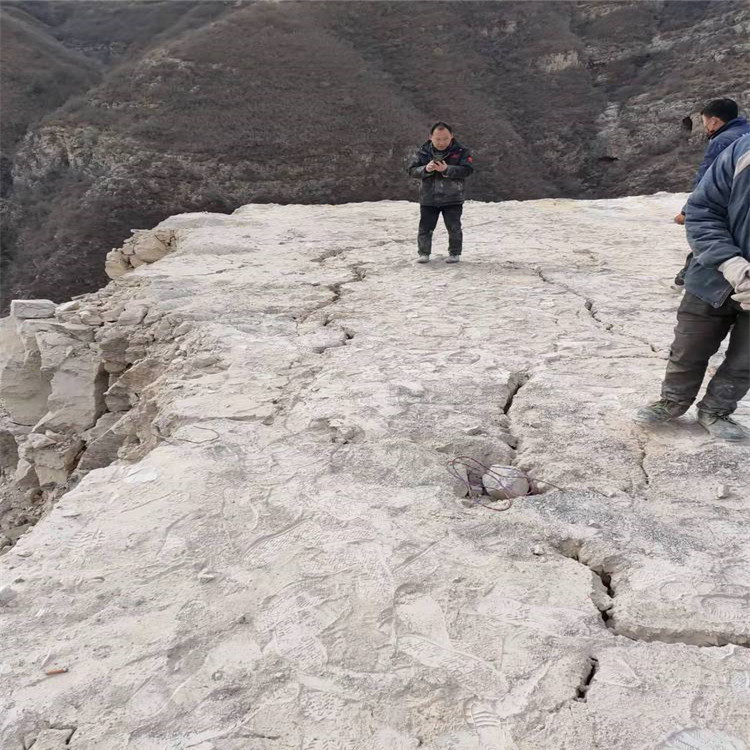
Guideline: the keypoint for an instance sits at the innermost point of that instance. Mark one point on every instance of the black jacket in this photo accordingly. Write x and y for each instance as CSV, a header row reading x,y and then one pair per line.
x,y
446,188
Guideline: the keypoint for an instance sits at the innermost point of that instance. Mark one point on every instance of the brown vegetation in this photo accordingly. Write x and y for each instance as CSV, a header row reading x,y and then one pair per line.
x,y
222,104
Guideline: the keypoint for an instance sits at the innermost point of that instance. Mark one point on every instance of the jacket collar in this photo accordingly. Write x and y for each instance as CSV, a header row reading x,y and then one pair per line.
x,y
727,125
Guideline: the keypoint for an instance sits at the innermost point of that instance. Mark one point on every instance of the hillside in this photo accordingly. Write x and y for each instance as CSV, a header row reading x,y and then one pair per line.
x,y
323,103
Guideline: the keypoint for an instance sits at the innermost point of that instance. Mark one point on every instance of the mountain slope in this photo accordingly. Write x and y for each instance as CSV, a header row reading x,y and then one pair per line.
x,y
324,102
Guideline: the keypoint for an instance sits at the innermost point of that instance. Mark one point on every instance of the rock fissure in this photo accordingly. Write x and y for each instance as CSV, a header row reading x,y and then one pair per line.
x,y
516,381
604,598
585,685
603,595
589,306
643,457
336,289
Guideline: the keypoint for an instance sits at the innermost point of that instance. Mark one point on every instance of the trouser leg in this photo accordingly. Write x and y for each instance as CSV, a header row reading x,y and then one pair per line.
x,y
699,332
428,216
452,219
731,382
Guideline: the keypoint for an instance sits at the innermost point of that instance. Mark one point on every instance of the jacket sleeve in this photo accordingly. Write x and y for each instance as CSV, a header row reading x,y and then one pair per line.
x,y
417,167
708,159
463,169
715,147
706,217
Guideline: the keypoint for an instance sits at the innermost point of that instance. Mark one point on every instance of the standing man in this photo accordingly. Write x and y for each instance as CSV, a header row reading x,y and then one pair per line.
x,y
716,301
724,127
441,164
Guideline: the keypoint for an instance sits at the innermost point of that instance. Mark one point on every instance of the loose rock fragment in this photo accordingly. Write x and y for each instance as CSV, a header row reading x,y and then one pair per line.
x,y
32,308
503,482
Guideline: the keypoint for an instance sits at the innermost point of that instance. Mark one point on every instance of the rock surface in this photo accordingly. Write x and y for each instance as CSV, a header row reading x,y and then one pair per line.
x,y
279,559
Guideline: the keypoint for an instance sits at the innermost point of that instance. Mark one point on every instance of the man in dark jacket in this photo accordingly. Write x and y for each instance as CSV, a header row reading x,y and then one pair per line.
x,y
724,127
716,301
442,164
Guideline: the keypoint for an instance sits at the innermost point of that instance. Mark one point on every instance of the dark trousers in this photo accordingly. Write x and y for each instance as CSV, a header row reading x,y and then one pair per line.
x,y
428,218
699,332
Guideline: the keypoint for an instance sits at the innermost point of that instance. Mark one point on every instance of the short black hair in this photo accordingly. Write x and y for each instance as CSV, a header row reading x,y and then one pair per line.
x,y
724,109
447,127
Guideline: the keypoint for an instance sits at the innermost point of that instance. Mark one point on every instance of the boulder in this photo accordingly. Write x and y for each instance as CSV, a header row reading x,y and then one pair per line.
x,y
503,482
148,247
23,309
102,443
116,265
132,315
53,461
23,387
124,392
77,386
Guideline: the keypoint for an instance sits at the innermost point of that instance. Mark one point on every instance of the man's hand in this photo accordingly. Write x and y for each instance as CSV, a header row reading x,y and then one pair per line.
x,y
743,297
679,219
737,272
440,166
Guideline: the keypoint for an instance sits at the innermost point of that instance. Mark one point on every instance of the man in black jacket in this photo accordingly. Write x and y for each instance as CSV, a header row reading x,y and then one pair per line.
x,y
442,164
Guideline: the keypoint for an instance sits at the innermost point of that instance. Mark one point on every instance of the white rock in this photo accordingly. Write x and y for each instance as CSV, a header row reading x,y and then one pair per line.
x,y
54,464
132,315
67,307
503,482
77,382
32,308
356,602
111,314
36,441
23,387
25,476
102,443
91,318
54,348
149,248
116,265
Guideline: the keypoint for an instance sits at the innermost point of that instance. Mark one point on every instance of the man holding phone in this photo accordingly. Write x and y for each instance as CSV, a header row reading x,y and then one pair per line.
x,y
441,164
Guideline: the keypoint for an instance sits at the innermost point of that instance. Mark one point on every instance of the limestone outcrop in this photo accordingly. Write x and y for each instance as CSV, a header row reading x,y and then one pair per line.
x,y
230,522
143,247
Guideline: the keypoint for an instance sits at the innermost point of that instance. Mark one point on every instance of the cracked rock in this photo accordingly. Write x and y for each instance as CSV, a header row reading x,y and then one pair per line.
x,y
352,596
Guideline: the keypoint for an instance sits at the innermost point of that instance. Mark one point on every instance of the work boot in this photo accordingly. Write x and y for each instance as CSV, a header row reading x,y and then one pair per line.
x,y
721,426
453,259
662,410
423,258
